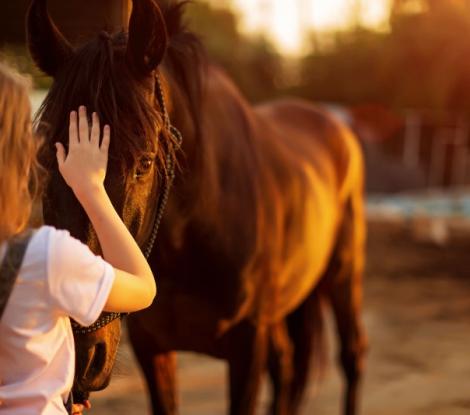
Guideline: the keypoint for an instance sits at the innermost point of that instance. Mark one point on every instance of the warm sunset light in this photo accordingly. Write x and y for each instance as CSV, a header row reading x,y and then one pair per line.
x,y
288,22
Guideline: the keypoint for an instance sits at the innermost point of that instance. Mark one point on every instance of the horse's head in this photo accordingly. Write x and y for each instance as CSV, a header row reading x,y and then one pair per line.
x,y
114,75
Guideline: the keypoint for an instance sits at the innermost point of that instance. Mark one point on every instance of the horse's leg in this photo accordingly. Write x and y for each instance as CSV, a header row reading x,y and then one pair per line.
x,y
246,354
307,336
160,373
344,287
280,364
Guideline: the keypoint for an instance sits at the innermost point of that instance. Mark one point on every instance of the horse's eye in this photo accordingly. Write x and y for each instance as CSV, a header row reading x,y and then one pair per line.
x,y
144,167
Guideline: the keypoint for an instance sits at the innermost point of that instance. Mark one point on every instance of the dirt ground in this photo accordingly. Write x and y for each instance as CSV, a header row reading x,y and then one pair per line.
x,y
417,313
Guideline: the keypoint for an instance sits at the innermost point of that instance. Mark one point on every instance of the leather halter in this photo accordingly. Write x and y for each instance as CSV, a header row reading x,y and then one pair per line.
x,y
107,318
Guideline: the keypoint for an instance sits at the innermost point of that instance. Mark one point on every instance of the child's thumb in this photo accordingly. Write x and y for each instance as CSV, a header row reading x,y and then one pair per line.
x,y
60,154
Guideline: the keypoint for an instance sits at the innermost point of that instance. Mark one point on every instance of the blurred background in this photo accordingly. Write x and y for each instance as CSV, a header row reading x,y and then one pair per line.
x,y
398,72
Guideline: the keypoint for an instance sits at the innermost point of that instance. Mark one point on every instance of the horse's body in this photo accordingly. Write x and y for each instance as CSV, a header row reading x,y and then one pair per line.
x,y
264,222
276,199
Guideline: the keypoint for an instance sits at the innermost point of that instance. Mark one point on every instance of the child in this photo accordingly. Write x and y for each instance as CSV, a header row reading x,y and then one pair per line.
x,y
59,277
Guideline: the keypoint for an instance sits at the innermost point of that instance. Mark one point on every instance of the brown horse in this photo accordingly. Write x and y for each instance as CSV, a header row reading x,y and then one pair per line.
x,y
264,224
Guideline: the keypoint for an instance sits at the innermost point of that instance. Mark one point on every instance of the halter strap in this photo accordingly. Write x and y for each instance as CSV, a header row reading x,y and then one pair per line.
x,y
10,268
107,318
170,168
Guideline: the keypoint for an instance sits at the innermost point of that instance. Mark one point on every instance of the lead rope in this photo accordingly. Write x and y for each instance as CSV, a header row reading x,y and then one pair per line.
x,y
170,162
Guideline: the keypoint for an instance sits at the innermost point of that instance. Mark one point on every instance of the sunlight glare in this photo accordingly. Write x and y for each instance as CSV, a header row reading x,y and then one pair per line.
x,y
375,13
285,27
330,14
287,22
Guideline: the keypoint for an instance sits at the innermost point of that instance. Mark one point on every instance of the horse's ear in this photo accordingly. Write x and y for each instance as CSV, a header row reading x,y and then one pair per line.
x,y
148,38
48,47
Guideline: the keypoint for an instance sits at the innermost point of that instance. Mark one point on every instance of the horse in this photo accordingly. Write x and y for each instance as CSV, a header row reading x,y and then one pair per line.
x,y
263,228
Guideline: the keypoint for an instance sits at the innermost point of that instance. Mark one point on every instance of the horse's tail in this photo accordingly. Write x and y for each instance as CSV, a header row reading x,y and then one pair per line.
x,y
306,328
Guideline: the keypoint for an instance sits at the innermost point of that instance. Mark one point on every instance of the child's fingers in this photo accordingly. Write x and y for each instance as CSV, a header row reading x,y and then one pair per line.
x,y
83,125
95,130
73,130
77,409
60,154
106,139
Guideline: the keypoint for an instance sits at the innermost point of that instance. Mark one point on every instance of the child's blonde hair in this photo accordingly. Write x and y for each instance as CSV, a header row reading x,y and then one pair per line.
x,y
18,151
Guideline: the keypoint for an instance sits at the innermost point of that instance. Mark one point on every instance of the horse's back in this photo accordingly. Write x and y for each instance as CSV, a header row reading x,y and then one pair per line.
x,y
313,163
316,135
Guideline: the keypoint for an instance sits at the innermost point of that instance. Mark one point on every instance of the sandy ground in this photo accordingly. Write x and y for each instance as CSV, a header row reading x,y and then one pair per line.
x,y
417,313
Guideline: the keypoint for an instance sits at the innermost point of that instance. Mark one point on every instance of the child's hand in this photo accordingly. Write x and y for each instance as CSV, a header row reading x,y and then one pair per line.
x,y
77,409
84,167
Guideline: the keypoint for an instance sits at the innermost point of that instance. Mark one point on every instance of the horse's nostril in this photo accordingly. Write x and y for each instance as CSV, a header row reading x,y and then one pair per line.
x,y
98,361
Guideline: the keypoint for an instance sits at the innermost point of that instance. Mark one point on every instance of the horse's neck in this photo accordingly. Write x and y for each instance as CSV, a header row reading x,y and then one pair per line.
x,y
209,232
221,160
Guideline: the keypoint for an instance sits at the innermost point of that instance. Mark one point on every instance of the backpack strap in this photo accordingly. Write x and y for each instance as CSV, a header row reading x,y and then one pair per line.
x,y
69,404
10,267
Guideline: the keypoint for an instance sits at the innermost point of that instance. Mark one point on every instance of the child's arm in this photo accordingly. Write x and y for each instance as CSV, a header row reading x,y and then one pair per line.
x,y
84,170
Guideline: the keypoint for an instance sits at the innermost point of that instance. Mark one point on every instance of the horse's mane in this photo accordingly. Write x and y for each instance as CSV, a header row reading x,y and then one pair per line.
x,y
91,78
186,56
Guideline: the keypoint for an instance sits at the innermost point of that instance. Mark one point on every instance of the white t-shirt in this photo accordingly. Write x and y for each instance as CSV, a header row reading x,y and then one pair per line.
x,y
59,277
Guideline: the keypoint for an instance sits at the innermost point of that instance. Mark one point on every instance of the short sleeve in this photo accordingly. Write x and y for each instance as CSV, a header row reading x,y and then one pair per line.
x,y
79,281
